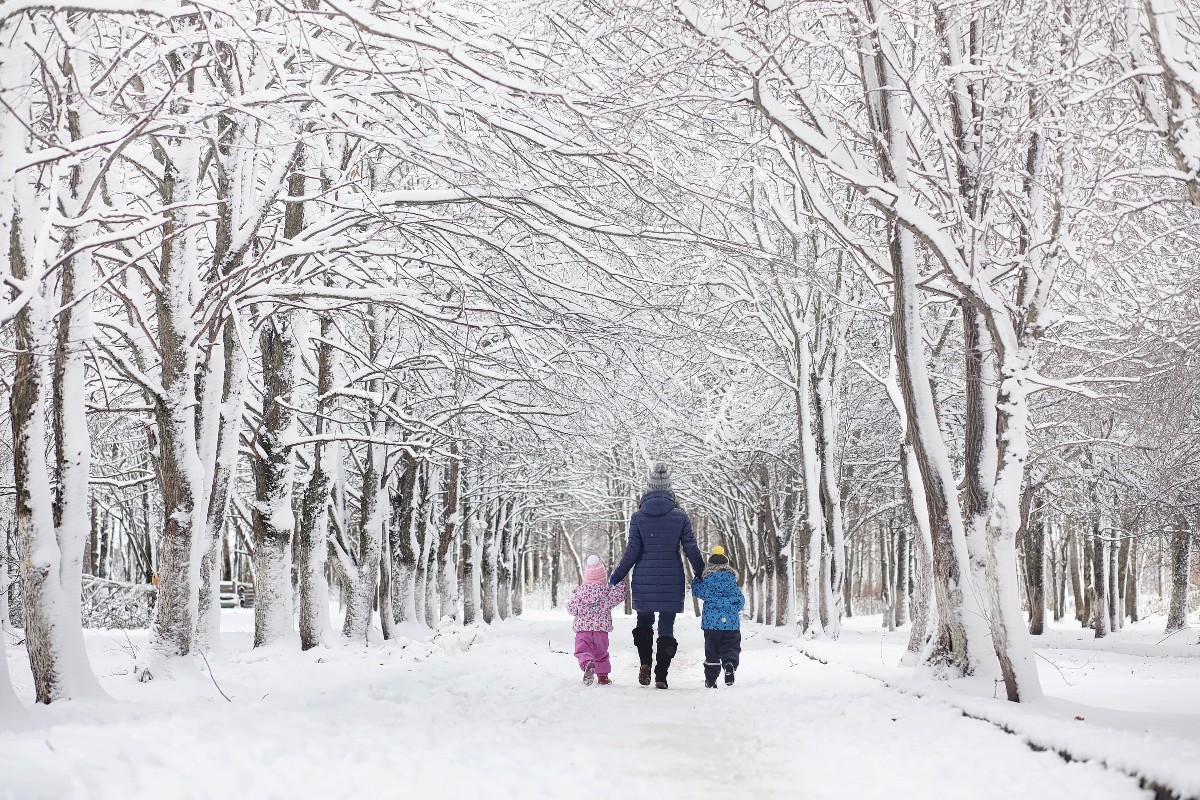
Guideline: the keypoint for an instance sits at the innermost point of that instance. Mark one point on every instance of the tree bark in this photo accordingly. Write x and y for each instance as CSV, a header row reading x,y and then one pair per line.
x,y
315,627
272,521
1099,583
1073,566
1181,565
1035,559
488,578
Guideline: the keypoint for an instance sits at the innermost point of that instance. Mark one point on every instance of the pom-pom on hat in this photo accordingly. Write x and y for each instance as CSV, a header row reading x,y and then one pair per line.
x,y
593,571
659,479
718,556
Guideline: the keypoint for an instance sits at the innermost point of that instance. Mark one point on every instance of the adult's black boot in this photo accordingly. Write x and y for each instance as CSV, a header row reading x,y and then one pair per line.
x,y
667,647
643,640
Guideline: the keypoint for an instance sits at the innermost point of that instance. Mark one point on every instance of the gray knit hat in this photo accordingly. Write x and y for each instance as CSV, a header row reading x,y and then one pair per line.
x,y
659,479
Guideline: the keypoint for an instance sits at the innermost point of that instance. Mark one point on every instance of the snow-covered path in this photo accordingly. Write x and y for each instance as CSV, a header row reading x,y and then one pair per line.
x,y
509,718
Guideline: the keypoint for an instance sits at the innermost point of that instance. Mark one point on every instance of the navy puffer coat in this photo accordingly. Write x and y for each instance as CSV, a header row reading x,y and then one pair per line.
x,y
657,531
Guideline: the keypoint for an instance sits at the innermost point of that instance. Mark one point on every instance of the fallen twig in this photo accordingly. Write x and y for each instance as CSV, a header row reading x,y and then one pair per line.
x,y
214,679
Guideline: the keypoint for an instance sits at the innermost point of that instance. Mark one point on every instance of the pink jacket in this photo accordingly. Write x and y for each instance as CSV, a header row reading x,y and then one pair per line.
x,y
592,605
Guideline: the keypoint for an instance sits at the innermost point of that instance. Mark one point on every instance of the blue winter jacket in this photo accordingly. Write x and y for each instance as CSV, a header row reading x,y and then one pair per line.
x,y
657,531
723,600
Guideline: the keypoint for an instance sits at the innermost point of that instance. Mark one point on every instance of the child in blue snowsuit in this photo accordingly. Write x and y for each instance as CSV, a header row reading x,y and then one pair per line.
x,y
723,602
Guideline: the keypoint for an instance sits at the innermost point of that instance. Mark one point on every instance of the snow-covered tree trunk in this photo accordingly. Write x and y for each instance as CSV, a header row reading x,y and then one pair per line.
x,y
491,535
1073,567
273,521
814,517
362,572
469,585
900,607
428,572
520,559
221,464
1132,582
1116,619
447,583
831,494
1035,559
49,333
179,466
50,565
404,548
924,619
1181,568
960,641
504,570
961,630
314,623
993,501
315,627
1099,580
72,443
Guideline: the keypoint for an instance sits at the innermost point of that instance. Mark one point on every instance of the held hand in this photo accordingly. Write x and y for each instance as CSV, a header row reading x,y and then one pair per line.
x,y
612,580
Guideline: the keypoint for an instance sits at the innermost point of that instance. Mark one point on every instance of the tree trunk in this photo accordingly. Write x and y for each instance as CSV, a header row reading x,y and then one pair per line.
x,y
555,567
1099,584
520,559
959,635
1181,566
1132,573
1035,556
901,585
179,466
834,562
362,571
452,520
49,566
272,520
315,626
851,579
505,568
225,415
923,610
1116,603
813,521
491,538
404,547
1073,566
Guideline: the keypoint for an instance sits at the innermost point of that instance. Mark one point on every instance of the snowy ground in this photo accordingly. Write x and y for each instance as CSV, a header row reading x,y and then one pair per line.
x,y
1131,699
501,712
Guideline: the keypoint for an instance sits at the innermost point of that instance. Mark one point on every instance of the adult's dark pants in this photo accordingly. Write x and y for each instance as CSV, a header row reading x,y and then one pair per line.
x,y
721,647
666,621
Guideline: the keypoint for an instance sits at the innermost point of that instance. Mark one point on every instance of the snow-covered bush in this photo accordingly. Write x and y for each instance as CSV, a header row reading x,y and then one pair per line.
x,y
112,604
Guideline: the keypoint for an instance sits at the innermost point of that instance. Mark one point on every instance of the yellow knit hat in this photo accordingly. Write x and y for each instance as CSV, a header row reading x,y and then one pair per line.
x,y
718,551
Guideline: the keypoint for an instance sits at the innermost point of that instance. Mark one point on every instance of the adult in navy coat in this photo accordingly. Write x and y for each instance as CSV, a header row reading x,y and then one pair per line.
x,y
658,531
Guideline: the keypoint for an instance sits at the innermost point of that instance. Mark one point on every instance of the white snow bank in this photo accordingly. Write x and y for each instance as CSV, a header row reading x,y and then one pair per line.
x,y
1125,701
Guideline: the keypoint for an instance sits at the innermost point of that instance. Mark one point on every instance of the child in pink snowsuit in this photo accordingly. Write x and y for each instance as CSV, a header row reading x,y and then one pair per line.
x,y
592,603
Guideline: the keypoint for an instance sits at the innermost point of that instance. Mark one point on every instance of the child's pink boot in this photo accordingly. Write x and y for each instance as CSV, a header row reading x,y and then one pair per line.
x,y
589,673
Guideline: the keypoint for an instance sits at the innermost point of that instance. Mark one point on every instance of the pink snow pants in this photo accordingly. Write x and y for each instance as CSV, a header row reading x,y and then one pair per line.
x,y
593,646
